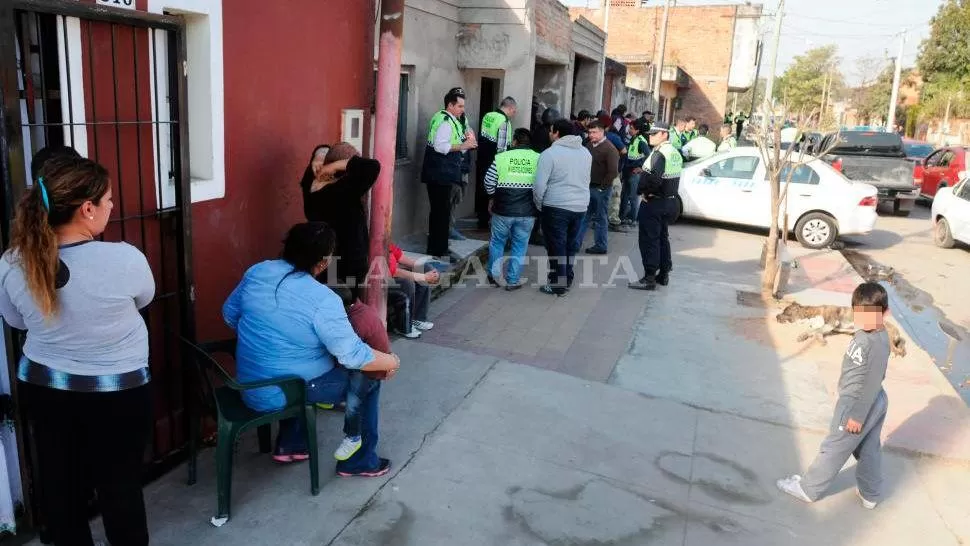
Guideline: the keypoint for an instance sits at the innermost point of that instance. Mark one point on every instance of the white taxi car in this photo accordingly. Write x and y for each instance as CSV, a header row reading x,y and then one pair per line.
x,y
822,204
951,214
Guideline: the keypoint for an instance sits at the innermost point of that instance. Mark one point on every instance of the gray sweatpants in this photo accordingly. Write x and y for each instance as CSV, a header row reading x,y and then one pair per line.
x,y
840,444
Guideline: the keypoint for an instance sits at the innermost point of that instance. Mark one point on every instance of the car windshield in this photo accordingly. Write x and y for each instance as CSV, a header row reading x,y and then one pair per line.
x,y
917,150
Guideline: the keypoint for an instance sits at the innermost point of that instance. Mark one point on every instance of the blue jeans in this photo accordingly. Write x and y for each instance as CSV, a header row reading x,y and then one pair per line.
x,y
630,200
504,228
598,215
560,228
334,387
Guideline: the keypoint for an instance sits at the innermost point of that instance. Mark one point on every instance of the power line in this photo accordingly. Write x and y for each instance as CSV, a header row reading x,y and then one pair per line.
x,y
805,31
842,21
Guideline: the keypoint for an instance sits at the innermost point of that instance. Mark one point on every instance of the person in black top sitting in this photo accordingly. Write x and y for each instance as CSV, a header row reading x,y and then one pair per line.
x,y
334,191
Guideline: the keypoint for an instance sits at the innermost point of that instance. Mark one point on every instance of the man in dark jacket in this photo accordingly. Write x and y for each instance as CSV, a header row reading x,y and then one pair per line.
x,y
659,183
442,168
509,183
606,160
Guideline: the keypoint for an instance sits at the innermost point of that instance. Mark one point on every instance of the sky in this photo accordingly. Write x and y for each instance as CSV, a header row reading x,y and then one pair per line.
x,y
860,28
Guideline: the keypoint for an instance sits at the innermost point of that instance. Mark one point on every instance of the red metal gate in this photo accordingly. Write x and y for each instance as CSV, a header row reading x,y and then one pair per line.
x,y
110,83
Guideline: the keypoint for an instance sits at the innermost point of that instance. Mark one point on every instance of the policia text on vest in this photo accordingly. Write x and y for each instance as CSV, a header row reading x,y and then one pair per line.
x,y
511,183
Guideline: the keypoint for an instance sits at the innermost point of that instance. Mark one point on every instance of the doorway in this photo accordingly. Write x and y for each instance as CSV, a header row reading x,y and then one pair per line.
x,y
491,87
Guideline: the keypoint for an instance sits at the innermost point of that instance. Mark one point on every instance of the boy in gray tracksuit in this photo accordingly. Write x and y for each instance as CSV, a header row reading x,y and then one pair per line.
x,y
860,410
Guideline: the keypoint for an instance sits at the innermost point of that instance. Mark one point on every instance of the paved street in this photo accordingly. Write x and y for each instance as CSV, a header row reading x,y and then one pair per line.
x,y
906,245
606,417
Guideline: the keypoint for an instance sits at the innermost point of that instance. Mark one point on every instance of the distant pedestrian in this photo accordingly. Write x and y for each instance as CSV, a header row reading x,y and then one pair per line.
x,y
442,168
615,223
509,182
583,119
603,171
561,193
636,154
700,147
496,137
678,133
860,411
739,124
690,129
541,139
728,140
647,118
659,183
458,190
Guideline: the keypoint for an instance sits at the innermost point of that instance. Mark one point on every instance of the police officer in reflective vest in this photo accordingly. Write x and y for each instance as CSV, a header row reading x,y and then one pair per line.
x,y
496,137
442,167
658,187
509,182
636,155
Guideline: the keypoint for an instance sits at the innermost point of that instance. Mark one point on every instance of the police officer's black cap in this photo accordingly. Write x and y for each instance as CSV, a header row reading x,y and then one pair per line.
x,y
659,127
457,91
641,126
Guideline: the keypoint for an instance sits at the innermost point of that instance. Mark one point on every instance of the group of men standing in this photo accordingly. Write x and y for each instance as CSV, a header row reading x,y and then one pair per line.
x,y
594,172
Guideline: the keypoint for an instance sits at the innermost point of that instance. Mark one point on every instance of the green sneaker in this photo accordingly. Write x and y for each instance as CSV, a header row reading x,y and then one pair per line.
x,y
325,406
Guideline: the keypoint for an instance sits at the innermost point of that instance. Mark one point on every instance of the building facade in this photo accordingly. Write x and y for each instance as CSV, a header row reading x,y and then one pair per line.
x,y
491,48
205,127
710,51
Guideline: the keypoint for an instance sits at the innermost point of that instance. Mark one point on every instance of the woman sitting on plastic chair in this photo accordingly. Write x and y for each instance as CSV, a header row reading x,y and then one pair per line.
x,y
283,317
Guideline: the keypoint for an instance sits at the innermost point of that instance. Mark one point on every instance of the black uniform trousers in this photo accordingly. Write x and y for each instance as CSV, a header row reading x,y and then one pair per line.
x,y
439,218
654,216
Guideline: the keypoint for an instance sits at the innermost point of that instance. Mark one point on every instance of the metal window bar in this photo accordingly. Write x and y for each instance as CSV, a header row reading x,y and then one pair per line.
x,y
160,229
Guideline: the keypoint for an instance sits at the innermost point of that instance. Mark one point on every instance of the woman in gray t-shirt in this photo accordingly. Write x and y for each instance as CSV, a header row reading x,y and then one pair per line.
x,y
84,375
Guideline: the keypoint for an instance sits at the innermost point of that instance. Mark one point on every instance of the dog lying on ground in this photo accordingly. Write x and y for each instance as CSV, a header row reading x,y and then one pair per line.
x,y
834,319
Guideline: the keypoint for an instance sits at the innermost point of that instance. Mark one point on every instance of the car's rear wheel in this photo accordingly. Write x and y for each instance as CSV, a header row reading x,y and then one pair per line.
x,y
942,235
816,230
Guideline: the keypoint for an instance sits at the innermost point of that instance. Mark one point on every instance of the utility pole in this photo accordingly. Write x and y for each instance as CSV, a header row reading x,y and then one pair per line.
x,y
825,86
606,103
385,142
659,67
891,120
767,105
757,74
946,116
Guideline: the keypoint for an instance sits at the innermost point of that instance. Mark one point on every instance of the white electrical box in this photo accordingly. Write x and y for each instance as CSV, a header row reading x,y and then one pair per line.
x,y
352,126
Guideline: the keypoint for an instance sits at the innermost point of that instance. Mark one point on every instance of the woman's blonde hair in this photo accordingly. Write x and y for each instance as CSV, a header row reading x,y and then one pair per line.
x,y
63,185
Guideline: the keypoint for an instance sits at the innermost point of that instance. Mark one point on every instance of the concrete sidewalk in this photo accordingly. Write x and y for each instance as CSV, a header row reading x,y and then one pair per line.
x,y
608,416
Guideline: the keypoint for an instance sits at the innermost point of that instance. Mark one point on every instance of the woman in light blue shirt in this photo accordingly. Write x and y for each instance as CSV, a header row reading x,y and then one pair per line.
x,y
288,323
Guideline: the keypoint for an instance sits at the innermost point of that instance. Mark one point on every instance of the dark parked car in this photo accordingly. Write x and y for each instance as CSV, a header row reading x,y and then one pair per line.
x,y
876,158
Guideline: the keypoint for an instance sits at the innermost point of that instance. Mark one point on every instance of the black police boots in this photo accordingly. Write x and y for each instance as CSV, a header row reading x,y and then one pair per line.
x,y
648,282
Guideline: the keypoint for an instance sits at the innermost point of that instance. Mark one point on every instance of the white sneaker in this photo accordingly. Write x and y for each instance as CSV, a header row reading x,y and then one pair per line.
x,y
867,504
347,448
422,325
414,334
793,486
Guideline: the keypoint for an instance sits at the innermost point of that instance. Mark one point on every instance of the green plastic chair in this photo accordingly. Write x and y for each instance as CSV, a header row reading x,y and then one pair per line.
x,y
223,394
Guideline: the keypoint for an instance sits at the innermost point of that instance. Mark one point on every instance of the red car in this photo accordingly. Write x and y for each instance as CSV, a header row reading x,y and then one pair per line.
x,y
941,169
916,151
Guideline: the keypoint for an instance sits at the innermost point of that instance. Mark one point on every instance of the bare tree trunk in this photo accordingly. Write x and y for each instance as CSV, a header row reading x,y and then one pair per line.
x,y
774,181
